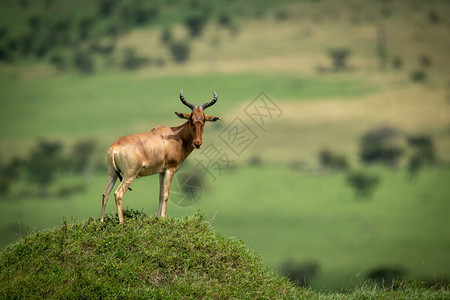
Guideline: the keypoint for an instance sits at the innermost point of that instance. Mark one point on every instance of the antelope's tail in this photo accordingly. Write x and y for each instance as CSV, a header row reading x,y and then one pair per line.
x,y
117,169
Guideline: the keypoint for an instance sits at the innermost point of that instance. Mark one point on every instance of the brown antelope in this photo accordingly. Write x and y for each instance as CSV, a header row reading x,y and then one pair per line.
x,y
161,150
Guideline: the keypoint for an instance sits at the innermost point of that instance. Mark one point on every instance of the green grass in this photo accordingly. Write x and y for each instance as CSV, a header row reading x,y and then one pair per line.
x,y
302,215
155,258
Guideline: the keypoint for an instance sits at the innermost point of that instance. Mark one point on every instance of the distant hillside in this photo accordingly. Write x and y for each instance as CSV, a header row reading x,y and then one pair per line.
x,y
154,258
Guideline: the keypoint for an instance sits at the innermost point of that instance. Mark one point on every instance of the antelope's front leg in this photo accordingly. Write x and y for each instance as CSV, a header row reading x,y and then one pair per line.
x,y
165,180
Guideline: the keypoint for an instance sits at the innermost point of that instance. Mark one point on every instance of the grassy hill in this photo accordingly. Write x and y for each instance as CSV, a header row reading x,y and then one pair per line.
x,y
154,258
145,258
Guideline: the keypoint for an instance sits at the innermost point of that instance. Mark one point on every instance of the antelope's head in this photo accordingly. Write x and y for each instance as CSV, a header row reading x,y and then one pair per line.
x,y
197,118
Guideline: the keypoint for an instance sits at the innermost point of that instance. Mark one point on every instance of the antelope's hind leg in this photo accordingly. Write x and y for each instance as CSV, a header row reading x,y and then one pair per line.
x,y
118,194
112,177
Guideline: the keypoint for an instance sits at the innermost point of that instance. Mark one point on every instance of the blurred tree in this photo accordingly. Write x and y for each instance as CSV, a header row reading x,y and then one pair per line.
x,y
339,57
4,181
3,32
106,7
84,28
191,184
59,62
195,24
382,47
180,51
81,155
385,275
331,160
363,183
166,36
381,145
418,76
300,273
225,18
142,13
15,168
424,153
24,3
43,164
433,17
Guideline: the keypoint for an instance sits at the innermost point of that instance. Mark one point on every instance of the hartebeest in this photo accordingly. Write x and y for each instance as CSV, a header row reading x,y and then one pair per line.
x,y
161,150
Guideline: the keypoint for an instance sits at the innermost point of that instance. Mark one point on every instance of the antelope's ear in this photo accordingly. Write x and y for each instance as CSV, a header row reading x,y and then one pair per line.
x,y
182,115
212,118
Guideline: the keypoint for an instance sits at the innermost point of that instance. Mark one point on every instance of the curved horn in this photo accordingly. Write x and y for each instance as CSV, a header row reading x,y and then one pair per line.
x,y
188,104
210,103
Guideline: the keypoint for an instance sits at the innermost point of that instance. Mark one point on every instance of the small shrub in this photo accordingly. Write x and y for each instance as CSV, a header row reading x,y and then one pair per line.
x,y
281,15
131,61
418,76
224,18
41,51
84,62
69,190
433,17
386,12
255,161
363,183
6,54
106,48
3,32
180,51
397,63
331,160
59,62
425,61
106,7
113,30
26,44
4,186
35,23
298,165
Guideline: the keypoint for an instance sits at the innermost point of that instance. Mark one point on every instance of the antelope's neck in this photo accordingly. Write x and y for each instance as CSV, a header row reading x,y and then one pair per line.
x,y
186,138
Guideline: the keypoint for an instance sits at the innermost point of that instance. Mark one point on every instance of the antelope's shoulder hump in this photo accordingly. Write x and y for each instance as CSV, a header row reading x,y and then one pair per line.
x,y
162,131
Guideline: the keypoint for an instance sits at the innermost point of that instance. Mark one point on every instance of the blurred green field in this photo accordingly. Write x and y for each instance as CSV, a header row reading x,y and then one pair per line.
x,y
303,213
